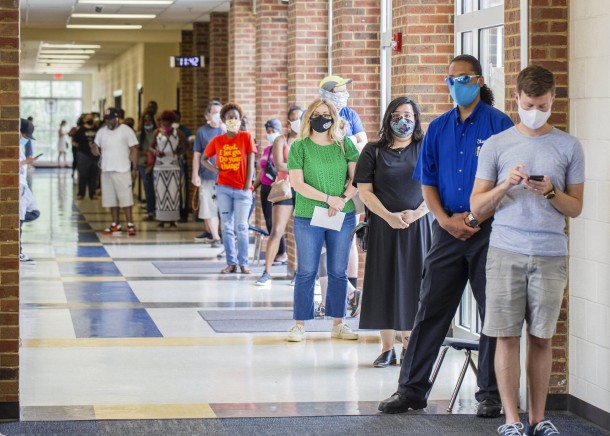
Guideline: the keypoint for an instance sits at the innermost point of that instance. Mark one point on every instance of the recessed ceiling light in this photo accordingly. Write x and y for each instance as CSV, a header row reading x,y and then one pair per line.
x,y
127,2
45,51
104,26
47,45
118,16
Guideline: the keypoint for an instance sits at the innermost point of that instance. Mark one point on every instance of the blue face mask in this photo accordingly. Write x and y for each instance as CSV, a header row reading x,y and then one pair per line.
x,y
464,94
403,127
23,141
149,126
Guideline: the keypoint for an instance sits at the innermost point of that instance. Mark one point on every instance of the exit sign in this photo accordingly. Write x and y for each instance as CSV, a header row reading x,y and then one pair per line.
x,y
186,61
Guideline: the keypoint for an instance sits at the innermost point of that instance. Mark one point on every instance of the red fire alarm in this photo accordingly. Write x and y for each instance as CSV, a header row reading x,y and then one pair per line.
x,y
397,41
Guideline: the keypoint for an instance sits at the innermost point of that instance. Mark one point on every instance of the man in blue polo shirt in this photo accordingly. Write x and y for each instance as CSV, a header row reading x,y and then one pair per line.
x,y
446,168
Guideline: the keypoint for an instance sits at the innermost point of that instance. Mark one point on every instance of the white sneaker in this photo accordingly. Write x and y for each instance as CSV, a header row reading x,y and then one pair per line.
x,y
342,331
296,333
25,259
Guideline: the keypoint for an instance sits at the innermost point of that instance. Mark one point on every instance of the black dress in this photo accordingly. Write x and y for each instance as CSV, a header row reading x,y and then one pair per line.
x,y
395,258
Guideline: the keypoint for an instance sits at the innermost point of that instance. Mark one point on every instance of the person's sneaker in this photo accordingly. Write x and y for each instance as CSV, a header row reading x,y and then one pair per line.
x,y
512,429
543,428
205,237
292,280
320,311
342,331
216,244
263,280
114,229
131,230
356,304
399,403
489,408
296,333
26,260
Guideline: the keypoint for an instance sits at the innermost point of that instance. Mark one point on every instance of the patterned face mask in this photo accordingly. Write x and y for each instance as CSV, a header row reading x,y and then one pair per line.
x,y
338,99
403,127
233,125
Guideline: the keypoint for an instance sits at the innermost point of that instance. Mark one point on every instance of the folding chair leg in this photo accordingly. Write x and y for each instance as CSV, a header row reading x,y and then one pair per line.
x,y
460,380
437,367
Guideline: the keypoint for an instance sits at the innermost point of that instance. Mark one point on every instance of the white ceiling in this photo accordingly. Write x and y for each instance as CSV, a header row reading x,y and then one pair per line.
x,y
46,20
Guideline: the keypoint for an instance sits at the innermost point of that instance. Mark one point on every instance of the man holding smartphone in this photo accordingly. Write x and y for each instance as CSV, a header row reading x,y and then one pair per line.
x,y
532,176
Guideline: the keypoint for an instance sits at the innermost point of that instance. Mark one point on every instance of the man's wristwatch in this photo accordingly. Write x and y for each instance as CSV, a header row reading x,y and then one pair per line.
x,y
551,194
471,220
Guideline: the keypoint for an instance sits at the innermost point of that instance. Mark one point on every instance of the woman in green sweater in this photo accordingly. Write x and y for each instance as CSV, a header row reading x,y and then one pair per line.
x,y
318,163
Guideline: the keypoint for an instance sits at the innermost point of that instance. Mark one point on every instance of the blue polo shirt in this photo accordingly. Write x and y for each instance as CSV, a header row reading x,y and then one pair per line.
x,y
353,120
450,152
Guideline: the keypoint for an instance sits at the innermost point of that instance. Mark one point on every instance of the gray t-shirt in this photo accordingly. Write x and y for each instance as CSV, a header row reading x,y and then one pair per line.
x,y
526,223
204,135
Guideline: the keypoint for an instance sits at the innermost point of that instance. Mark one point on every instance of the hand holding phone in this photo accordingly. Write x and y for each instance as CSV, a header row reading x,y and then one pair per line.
x,y
536,178
36,157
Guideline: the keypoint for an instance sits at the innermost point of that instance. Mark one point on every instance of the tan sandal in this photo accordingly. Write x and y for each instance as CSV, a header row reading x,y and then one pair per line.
x,y
229,269
245,270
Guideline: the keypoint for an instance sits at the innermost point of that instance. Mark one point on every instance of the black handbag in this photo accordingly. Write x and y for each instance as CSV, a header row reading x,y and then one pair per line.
x,y
270,169
362,235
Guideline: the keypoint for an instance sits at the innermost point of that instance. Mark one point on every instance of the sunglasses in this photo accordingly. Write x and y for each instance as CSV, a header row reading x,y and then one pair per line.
x,y
461,79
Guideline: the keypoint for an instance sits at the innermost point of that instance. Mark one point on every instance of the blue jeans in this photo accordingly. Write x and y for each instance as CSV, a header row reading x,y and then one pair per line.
x,y
149,189
234,207
309,240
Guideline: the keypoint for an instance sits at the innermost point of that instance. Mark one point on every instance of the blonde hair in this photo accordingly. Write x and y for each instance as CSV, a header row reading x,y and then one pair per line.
x,y
335,133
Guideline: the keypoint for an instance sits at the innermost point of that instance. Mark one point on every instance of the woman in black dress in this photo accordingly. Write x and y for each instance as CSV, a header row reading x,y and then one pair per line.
x,y
399,227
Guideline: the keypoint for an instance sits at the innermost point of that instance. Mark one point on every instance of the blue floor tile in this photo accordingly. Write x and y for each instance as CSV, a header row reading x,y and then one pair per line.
x,y
99,292
88,269
78,251
113,323
87,237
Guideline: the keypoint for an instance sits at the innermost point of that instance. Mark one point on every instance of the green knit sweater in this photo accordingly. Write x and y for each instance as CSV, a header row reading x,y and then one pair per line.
x,y
324,168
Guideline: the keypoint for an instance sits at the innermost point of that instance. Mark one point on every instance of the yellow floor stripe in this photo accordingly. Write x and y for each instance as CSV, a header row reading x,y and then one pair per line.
x,y
94,279
182,342
154,411
84,259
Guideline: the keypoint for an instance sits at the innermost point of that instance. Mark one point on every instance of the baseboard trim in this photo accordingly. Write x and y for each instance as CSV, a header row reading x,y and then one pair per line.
x,y
9,410
557,402
589,412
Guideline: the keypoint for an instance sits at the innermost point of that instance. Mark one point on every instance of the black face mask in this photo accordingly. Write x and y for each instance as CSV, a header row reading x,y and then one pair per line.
x,y
320,124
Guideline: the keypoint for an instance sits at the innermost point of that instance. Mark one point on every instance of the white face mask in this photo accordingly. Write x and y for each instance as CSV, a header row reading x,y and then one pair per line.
x,y
272,136
533,118
295,125
215,118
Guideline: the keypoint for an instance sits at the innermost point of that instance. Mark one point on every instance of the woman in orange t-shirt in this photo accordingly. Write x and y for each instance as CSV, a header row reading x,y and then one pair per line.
x,y
235,152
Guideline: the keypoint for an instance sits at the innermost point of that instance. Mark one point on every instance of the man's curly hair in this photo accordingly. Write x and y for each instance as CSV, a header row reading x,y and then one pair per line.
x,y
230,106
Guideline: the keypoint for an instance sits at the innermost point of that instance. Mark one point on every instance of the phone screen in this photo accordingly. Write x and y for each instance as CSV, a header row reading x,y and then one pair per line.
x,y
36,157
536,178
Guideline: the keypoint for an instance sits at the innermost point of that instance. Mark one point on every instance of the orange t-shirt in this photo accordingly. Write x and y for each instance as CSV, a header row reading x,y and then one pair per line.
x,y
231,157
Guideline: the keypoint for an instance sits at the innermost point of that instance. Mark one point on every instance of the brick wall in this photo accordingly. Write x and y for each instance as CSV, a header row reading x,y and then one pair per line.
x,y
9,209
219,61
242,58
512,54
418,71
201,91
187,82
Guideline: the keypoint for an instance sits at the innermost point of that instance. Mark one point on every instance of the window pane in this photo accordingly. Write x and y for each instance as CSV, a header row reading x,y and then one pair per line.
x,y
35,88
491,56
464,311
468,6
485,4
72,89
467,43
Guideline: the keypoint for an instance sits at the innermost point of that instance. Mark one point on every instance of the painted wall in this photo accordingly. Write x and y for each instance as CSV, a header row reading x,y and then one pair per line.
x,y
160,81
589,369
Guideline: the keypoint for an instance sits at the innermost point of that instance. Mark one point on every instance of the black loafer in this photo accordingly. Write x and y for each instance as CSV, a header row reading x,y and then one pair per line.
x,y
386,358
398,404
489,408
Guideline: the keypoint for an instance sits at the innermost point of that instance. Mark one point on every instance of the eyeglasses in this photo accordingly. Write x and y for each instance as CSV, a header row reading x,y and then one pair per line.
x,y
461,79
397,116
325,116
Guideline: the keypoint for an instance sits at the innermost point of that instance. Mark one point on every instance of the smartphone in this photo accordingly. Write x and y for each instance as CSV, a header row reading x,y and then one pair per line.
x,y
36,157
536,178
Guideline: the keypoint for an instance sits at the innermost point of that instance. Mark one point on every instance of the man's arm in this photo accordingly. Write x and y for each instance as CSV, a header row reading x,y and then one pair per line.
x,y
568,203
486,195
133,156
195,179
249,171
360,140
454,224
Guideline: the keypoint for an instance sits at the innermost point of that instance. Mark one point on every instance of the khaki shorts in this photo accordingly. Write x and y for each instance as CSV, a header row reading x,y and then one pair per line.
x,y
523,288
117,189
208,205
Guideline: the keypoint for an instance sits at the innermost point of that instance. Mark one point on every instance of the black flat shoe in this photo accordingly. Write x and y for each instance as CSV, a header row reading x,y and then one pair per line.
x,y
489,408
399,404
386,358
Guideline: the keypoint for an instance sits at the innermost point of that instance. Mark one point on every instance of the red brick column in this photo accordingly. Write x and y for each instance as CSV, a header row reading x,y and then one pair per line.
x,y
219,61
420,68
187,82
512,55
201,76
355,55
242,58
9,209
307,49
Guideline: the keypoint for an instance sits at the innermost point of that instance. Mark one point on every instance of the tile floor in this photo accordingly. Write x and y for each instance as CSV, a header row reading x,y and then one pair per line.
x,y
107,335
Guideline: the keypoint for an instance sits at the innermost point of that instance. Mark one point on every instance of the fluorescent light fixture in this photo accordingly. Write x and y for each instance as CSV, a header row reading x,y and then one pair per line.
x,y
104,26
127,2
52,56
118,16
62,61
47,45
43,51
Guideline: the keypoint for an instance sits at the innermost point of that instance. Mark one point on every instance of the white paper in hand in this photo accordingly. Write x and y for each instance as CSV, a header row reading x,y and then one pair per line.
x,y
320,218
